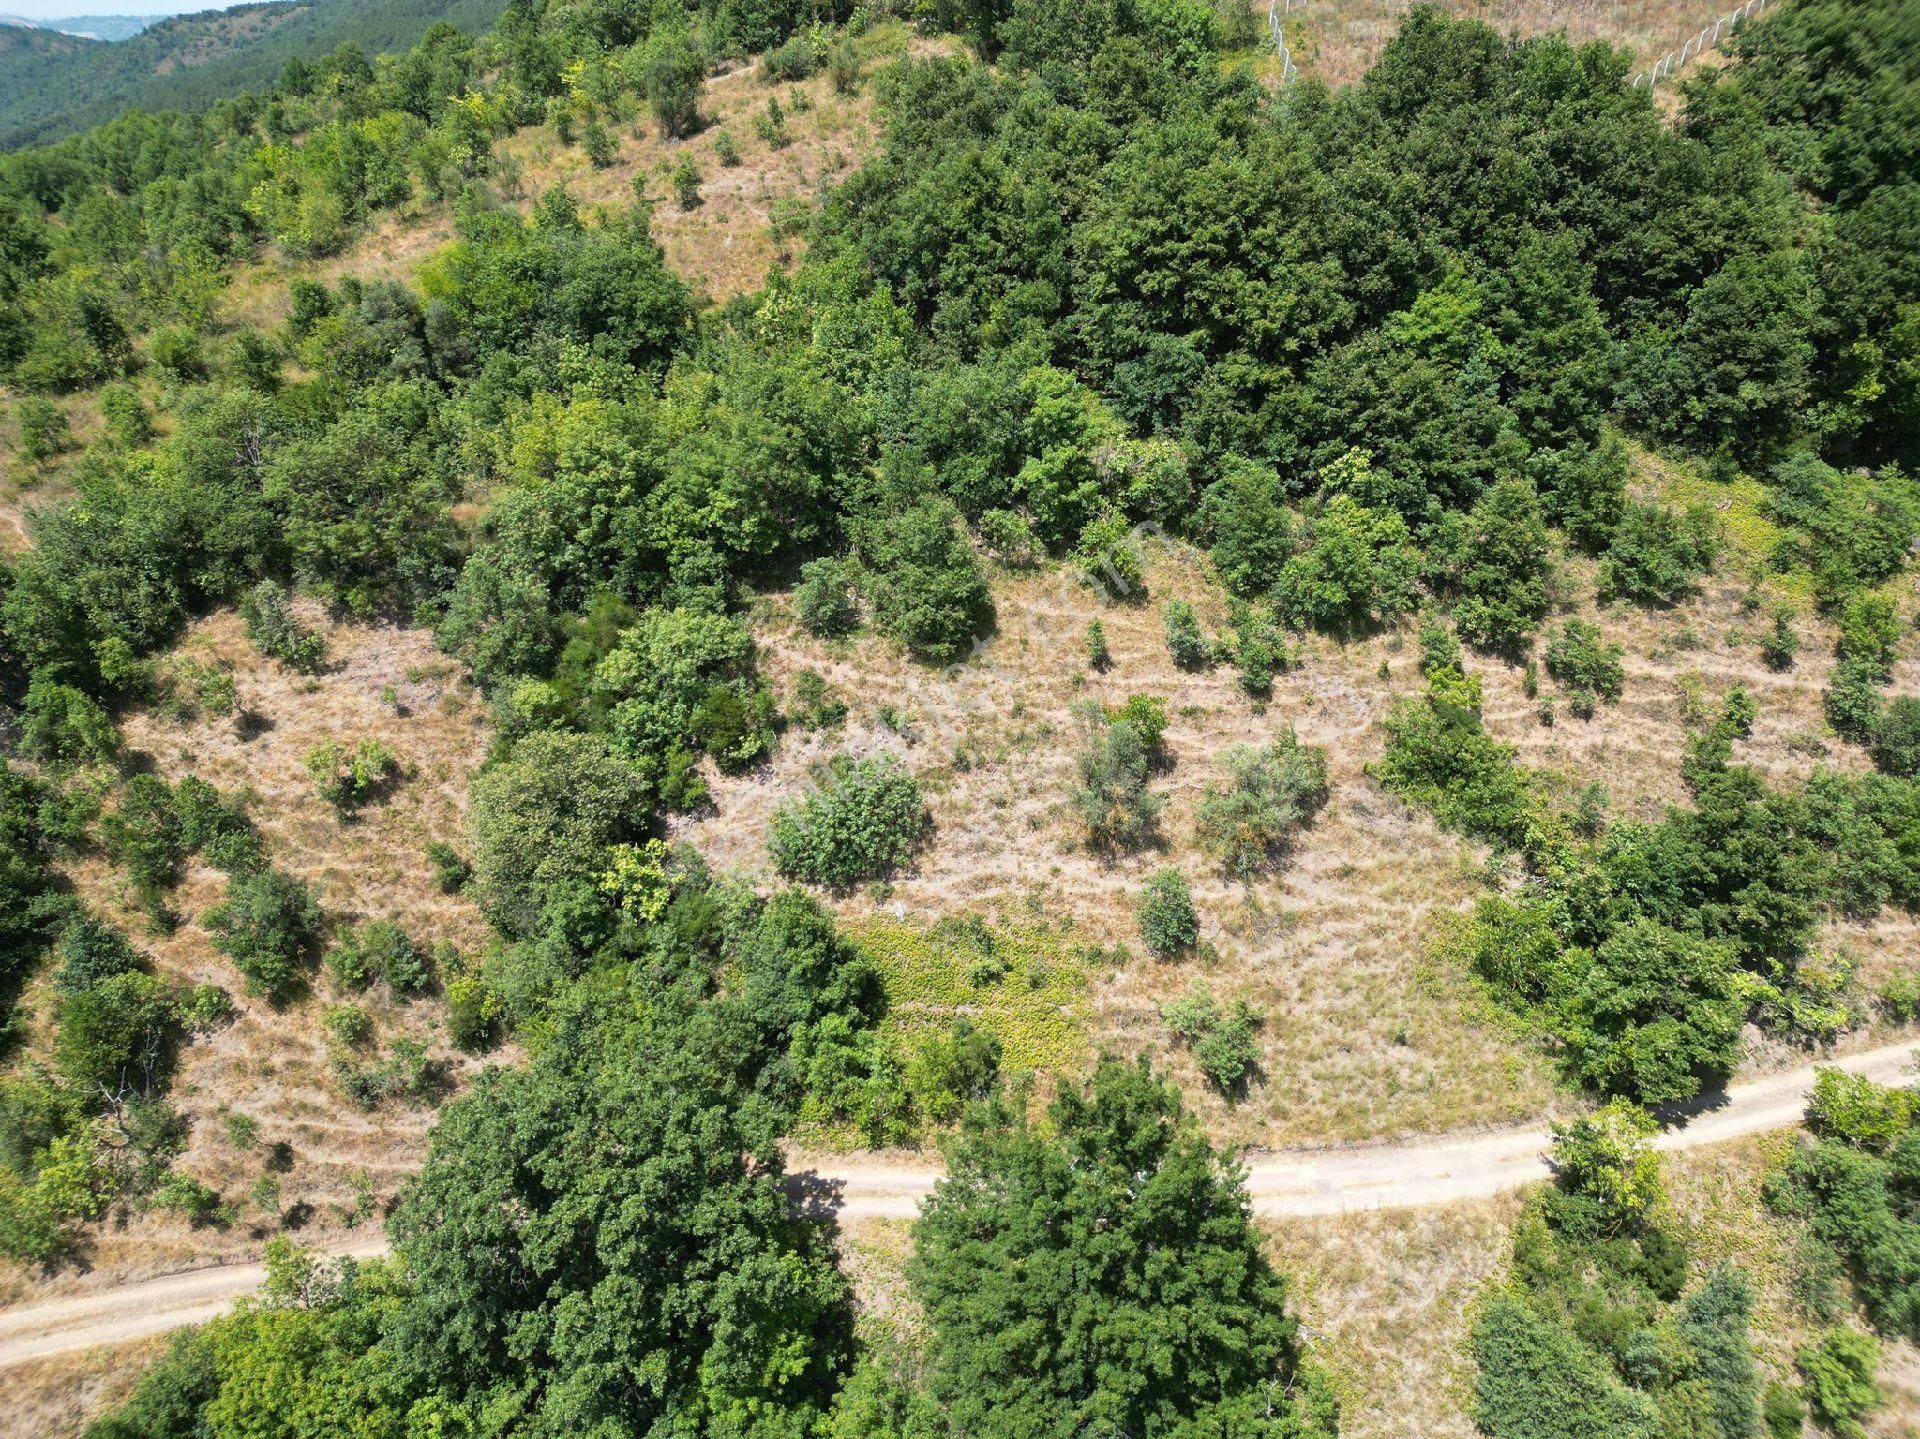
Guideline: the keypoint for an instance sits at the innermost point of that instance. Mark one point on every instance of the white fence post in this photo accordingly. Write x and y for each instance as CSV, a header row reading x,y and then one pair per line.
x,y
1707,39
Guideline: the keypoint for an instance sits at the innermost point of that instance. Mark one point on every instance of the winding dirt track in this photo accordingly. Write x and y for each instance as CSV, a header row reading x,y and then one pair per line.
x,y
1327,1182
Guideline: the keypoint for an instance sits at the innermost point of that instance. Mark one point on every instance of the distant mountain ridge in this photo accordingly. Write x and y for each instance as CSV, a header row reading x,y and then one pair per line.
x,y
89,27
54,83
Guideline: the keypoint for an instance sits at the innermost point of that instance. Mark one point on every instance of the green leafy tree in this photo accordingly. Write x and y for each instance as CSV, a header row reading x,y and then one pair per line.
x,y
1044,1254
1840,1385
1357,568
1500,565
1186,642
1244,516
544,819
1654,557
1608,1157
672,80
118,1036
1658,1013
824,599
924,583
625,1147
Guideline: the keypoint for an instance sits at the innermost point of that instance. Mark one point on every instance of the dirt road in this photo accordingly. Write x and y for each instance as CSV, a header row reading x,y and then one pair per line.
x,y
1329,1182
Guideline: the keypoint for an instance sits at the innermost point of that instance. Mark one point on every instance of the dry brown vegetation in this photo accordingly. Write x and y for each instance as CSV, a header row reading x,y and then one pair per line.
x,y
1366,1037
270,1064
1336,41
57,1398
1386,1300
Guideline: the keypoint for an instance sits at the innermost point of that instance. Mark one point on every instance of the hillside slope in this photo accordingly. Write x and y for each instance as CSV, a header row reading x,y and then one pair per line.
x,y
53,84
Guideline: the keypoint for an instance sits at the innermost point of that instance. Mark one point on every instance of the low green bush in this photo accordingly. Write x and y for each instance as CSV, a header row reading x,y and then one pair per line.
x,y
1168,923
1270,792
1185,640
865,821
1221,1040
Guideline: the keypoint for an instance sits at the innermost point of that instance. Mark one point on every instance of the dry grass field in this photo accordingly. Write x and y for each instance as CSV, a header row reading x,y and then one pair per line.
x,y
1366,1036
273,1065
57,1398
1363,1038
1336,41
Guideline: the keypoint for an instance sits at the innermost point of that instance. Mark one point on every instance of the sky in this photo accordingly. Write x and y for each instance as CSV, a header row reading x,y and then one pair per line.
x,y
61,9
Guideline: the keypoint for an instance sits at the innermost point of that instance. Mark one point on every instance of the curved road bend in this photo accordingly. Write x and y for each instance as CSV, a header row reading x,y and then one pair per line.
x,y
1335,1181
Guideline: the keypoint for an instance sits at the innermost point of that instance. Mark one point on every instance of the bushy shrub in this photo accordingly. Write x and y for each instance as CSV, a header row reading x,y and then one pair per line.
x,y
450,869
952,1070
381,950
679,682
1782,643
1009,537
672,83
1098,656
1585,665
1654,556
1148,715
1270,792
349,778
824,599
1185,640
1499,557
1358,568
276,633
1714,1321
1440,757
269,926
1167,921
1221,1040
863,823
771,125
474,1018
1111,796
843,66
1536,1381
1839,1372
1783,1411
796,59
118,1036
686,183
1896,737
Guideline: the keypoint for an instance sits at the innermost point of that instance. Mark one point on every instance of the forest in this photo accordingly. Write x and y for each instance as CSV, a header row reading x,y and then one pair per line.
x,y
1384,361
